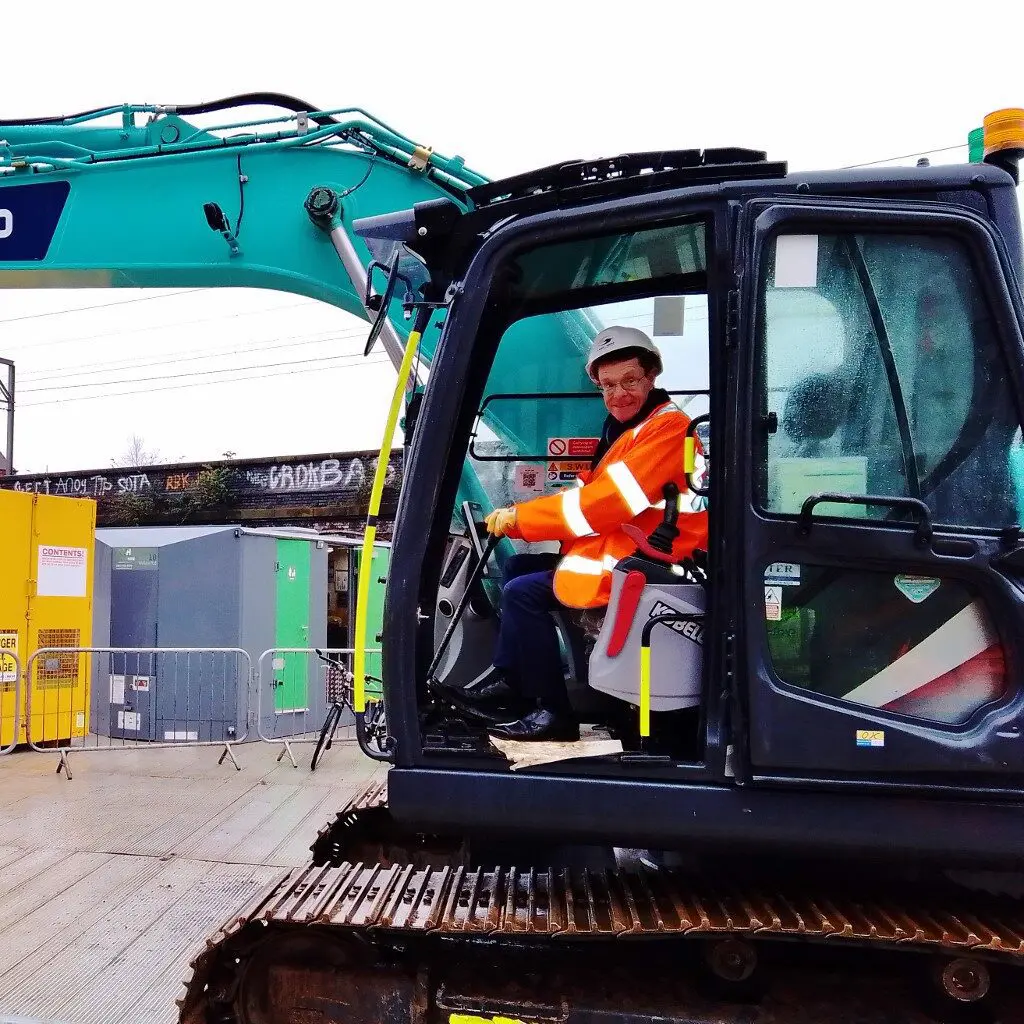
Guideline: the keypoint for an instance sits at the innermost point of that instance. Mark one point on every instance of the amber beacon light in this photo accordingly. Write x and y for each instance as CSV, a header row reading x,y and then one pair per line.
x,y
1004,139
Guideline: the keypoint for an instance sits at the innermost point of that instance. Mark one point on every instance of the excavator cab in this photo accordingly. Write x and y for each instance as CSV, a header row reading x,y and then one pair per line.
x,y
535,428
853,342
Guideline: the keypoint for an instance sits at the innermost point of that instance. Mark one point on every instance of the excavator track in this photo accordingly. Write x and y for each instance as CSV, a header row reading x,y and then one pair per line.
x,y
391,926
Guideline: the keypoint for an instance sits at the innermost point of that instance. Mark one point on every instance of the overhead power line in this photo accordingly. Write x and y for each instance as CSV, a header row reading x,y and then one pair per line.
x,y
179,376
158,327
194,355
101,305
905,156
370,361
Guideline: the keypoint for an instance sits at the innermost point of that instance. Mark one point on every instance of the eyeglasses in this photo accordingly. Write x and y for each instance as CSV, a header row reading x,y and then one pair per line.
x,y
629,385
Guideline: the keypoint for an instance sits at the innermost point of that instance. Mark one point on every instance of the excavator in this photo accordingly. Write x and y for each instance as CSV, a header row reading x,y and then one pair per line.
x,y
799,794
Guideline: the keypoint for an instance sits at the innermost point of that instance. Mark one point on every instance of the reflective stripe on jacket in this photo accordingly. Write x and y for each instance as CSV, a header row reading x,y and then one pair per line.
x,y
625,487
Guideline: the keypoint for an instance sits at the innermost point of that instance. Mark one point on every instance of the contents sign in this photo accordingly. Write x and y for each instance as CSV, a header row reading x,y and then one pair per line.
x,y
61,571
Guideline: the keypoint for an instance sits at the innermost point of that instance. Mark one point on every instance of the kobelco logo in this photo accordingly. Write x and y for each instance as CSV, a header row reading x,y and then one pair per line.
x,y
692,630
6,223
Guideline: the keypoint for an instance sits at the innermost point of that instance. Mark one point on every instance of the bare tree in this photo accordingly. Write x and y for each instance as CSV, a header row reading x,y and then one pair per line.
x,y
136,454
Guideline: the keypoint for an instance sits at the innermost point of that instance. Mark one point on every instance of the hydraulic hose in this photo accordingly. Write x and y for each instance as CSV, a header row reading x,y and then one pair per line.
x,y
247,99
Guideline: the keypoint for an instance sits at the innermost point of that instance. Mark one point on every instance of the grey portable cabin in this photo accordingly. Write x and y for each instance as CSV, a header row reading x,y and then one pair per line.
x,y
208,587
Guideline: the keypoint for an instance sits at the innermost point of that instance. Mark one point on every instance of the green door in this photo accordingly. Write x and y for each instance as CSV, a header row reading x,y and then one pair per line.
x,y
374,612
375,618
291,670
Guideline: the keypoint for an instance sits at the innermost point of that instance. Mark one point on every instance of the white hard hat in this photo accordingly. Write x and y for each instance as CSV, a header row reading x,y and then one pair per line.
x,y
615,339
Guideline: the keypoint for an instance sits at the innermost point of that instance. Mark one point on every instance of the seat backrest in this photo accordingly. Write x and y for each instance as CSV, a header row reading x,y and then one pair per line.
x,y
814,411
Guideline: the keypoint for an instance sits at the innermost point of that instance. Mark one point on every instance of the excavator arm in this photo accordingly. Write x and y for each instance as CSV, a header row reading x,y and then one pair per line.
x,y
156,201
141,196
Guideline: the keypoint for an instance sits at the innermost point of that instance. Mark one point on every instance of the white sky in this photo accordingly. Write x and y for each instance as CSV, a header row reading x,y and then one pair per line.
x,y
506,86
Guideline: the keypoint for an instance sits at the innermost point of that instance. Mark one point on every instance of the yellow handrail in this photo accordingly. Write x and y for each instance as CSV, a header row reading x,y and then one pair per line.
x,y
370,533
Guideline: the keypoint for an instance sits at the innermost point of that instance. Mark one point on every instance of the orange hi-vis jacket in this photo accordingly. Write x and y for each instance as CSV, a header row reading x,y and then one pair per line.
x,y
625,487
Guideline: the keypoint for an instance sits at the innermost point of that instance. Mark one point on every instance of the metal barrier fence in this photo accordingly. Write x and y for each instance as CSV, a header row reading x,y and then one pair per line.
x,y
106,698
11,701
304,684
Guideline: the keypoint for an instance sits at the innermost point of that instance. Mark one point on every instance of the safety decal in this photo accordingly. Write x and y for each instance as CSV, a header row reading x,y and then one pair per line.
x,y
8,652
572,447
870,737
916,588
564,474
773,603
782,574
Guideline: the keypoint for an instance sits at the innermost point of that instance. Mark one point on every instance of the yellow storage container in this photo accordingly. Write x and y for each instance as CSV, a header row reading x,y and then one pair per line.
x,y
47,546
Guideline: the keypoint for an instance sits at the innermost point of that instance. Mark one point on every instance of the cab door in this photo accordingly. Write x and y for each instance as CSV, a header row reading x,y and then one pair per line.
x,y
882,589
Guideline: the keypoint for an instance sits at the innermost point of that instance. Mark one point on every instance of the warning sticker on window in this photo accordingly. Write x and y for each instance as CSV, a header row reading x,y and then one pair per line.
x,y
572,447
565,472
8,652
773,603
529,478
782,574
916,588
796,261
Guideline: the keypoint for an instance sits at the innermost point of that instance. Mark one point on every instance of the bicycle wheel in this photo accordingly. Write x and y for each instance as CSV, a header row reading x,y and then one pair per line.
x,y
323,744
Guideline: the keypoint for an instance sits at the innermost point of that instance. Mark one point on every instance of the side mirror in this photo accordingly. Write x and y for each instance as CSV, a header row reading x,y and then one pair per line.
x,y
379,303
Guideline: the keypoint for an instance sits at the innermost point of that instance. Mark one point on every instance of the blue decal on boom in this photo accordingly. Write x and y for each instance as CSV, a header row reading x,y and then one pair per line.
x,y
28,219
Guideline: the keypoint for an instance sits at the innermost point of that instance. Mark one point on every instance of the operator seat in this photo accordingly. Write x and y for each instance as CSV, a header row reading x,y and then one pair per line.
x,y
597,694
645,585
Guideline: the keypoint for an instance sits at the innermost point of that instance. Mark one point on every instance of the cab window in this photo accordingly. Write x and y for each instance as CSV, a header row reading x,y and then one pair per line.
x,y
881,373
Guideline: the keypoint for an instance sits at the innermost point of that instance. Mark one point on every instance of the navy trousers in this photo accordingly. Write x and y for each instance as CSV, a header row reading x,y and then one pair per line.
x,y
527,650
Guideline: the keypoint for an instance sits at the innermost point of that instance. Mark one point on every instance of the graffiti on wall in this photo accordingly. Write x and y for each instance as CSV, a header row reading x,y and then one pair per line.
x,y
336,485
74,485
329,474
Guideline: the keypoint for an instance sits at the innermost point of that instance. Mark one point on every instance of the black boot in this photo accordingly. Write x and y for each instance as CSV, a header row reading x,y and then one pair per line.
x,y
488,696
540,724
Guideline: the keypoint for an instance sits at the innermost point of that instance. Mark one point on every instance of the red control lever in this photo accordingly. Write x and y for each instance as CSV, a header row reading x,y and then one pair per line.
x,y
636,535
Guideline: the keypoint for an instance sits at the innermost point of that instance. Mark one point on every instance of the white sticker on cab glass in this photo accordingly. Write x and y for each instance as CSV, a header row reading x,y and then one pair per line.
x,y
796,261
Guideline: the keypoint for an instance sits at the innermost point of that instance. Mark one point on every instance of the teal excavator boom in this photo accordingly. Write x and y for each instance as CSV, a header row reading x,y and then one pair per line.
x,y
141,196
90,204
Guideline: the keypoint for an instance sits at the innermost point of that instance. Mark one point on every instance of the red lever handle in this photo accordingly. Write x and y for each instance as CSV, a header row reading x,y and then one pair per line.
x,y
636,535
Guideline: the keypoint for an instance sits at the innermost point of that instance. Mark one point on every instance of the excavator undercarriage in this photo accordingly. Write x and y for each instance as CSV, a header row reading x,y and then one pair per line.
x,y
384,929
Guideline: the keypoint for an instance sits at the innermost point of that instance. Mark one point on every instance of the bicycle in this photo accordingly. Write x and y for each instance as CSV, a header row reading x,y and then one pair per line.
x,y
371,729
